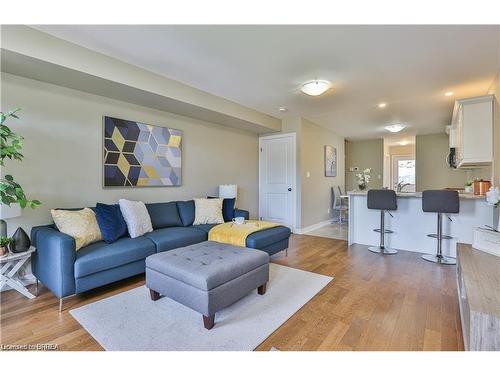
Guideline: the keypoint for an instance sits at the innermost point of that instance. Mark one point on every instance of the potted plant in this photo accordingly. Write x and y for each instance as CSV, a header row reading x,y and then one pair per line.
x,y
468,186
363,178
4,242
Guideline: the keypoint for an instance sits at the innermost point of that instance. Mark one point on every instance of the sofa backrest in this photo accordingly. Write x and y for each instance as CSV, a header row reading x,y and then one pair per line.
x,y
164,214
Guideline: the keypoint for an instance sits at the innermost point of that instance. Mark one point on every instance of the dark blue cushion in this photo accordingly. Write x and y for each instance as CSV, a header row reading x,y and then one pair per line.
x,y
172,238
164,215
227,208
111,222
267,237
186,212
101,256
204,227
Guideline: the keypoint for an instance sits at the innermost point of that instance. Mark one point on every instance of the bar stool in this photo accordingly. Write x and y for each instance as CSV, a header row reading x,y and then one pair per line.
x,y
440,202
383,200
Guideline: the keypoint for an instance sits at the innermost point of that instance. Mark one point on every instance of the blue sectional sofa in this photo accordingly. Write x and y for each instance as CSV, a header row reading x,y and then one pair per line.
x,y
65,271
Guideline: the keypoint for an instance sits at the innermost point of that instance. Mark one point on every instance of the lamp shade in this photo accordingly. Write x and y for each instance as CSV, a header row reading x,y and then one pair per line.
x,y
7,212
228,191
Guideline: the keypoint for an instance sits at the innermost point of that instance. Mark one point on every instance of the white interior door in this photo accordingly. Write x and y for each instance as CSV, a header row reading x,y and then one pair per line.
x,y
277,191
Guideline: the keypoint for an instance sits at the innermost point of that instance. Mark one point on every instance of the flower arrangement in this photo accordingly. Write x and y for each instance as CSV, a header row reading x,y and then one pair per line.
x,y
363,178
493,196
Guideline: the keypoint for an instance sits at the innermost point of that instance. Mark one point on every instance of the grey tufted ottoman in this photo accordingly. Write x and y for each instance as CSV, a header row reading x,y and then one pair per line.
x,y
207,276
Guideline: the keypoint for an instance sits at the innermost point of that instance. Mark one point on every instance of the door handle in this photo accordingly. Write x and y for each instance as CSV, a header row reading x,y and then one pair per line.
x,y
289,189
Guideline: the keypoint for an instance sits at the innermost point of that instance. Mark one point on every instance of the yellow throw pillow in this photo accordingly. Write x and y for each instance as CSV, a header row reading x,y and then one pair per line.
x,y
81,225
208,211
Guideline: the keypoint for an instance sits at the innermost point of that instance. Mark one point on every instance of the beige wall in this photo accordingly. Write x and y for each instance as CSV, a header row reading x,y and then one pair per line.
x,y
315,189
364,154
432,172
63,151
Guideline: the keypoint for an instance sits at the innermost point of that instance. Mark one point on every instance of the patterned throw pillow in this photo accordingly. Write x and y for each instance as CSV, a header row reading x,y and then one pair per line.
x,y
81,225
136,216
208,211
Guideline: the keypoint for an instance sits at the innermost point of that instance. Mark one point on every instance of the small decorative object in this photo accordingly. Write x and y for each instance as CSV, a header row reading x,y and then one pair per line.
x,y
20,241
4,242
228,191
493,199
468,186
363,178
330,161
8,212
137,154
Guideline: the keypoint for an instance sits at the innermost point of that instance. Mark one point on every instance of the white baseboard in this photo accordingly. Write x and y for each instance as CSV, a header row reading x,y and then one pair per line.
x,y
310,228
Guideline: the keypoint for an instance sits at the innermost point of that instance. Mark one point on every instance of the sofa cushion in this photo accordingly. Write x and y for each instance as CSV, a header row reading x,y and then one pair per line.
x,y
81,225
204,227
207,265
208,211
171,238
264,238
111,222
101,256
186,212
136,216
164,215
227,208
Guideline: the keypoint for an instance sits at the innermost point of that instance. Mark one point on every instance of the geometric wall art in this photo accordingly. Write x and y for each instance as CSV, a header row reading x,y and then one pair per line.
x,y
137,154
330,161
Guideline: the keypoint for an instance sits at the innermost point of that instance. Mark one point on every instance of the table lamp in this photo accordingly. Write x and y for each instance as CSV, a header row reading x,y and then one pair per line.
x,y
228,191
8,212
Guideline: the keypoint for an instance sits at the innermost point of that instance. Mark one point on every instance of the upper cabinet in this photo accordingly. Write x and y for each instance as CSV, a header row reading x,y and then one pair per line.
x,y
472,127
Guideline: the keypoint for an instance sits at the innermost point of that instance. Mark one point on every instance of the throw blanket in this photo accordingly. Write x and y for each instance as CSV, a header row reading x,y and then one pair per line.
x,y
236,234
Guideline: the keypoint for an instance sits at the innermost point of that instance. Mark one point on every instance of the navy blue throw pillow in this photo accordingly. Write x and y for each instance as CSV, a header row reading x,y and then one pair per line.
x,y
186,212
227,208
111,222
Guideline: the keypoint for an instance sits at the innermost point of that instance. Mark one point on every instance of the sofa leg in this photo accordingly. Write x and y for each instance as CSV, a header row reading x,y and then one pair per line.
x,y
262,289
154,294
209,321
60,305
286,252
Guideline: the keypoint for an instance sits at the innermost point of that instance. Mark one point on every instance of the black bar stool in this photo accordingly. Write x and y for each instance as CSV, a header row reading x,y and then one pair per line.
x,y
440,202
383,200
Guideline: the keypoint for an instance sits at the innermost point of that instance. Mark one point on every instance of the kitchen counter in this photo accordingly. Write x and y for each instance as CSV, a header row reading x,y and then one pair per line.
x,y
411,225
419,195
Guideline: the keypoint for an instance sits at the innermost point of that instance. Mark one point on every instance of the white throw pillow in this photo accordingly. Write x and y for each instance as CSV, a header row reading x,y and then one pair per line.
x,y
208,211
136,216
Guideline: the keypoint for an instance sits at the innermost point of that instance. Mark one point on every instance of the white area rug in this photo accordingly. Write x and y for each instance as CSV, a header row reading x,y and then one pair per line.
x,y
132,321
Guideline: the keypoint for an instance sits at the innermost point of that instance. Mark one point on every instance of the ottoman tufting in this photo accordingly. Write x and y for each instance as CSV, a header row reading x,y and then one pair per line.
x,y
207,276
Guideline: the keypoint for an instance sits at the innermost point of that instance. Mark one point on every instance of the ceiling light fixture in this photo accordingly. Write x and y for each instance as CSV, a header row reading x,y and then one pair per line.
x,y
403,143
395,128
316,87
382,105
449,93
283,109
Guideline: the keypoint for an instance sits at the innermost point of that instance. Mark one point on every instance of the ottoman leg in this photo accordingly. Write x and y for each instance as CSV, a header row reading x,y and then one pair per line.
x,y
262,289
209,321
154,294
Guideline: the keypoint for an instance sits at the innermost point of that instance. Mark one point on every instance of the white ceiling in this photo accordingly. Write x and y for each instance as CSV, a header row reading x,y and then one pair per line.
x,y
262,67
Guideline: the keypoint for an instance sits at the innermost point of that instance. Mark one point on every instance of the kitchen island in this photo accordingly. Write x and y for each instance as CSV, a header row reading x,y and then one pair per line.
x,y
411,225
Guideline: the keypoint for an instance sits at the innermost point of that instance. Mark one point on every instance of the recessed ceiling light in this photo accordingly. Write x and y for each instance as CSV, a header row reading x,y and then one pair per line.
x,y
403,143
448,93
283,109
316,87
395,128
382,105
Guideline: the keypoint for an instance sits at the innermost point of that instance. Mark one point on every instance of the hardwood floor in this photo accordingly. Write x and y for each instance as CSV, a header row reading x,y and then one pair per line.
x,y
375,302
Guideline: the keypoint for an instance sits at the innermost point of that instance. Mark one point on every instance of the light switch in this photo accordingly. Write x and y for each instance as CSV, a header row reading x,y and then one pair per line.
x,y
308,174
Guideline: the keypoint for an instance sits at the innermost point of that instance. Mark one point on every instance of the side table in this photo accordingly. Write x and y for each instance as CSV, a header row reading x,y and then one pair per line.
x,y
10,266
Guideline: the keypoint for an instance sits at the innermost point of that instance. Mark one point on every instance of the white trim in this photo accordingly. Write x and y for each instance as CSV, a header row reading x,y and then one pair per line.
x,y
310,228
293,136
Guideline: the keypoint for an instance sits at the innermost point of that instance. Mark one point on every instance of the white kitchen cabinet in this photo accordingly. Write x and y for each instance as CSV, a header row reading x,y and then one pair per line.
x,y
472,126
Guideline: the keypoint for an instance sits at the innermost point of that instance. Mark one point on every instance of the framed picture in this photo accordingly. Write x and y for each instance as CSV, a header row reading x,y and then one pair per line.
x,y
137,154
330,161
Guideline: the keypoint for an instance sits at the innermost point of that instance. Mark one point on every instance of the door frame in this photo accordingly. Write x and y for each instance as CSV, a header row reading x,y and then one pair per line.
x,y
293,137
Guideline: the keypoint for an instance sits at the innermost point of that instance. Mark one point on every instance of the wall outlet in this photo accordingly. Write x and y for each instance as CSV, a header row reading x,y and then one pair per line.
x,y
353,169
328,211
308,174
